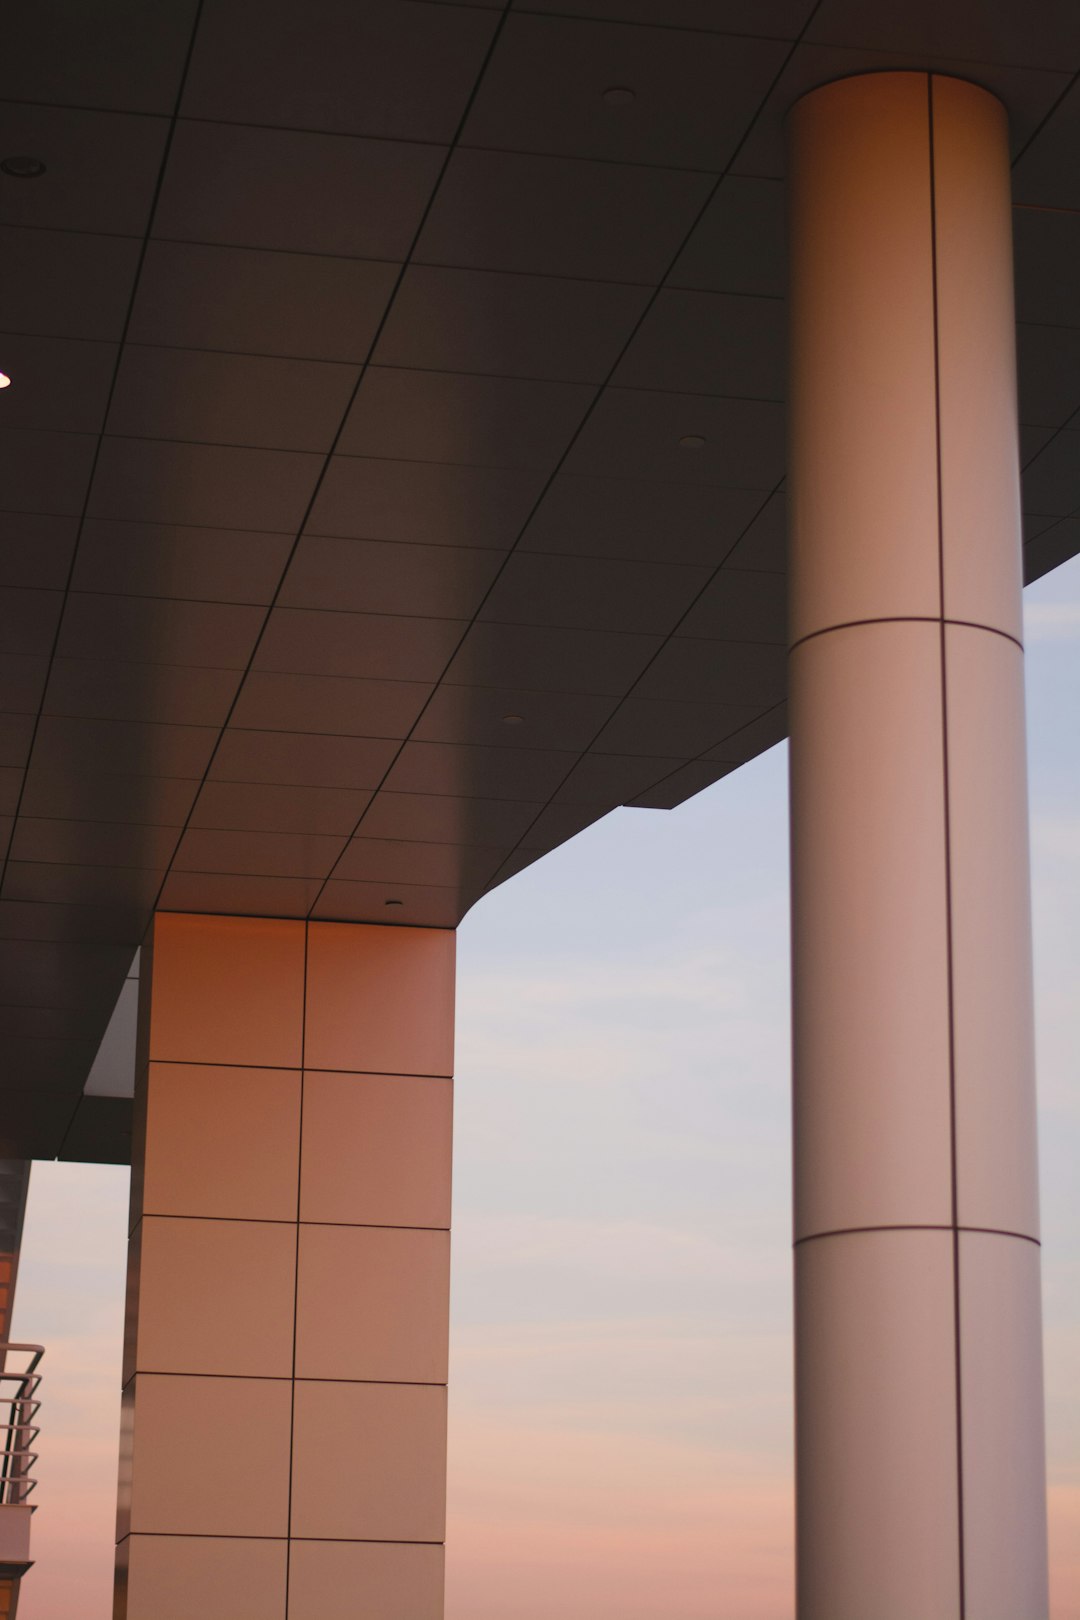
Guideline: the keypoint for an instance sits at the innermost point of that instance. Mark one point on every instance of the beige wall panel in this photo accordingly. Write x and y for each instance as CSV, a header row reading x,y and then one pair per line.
x,y
997,1156
215,1297
369,1462
980,470
205,1578
246,1167
376,1149
876,1428
380,999
373,1303
342,1580
863,450
212,1456
872,1109
227,990
1004,1460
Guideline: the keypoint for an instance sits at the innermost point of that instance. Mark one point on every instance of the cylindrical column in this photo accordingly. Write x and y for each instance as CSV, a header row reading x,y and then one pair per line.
x,y
919,1388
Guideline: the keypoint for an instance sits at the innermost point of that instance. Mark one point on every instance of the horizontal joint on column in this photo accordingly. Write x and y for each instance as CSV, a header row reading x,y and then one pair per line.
x,y
905,618
915,1226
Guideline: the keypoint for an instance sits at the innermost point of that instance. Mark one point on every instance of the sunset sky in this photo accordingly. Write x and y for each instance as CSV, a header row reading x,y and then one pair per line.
x,y
621,1355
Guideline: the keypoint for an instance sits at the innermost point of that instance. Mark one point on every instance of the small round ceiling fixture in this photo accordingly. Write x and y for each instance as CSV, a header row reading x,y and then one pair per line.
x,y
22,167
513,719
393,902
692,441
619,95
5,380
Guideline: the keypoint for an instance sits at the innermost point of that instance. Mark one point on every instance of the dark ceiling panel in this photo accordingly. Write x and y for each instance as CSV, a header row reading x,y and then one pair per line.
x,y
288,757
1046,174
635,518
551,660
62,385
709,343
297,192
239,893
740,605
213,635
560,216
450,416
388,860
684,438
694,93
779,19
424,503
154,559
45,472
22,681
99,793
1052,482
439,819
101,168
490,716
216,486
511,326
66,283
36,551
971,29
257,854
393,68
380,576
193,395
114,53
740,245
717,671
599,593
93,843
372,646
1047,247
468,772
28,621
266,807
310,306
112,689
652,726
69,747
329,704
764,544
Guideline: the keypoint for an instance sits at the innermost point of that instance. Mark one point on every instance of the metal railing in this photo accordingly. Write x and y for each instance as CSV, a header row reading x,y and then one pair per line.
x,y
19,1407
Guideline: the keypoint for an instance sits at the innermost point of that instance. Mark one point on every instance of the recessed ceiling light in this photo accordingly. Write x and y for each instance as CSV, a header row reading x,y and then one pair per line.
x,y
5,380
513,719
619,95
22,168
393,902
692,441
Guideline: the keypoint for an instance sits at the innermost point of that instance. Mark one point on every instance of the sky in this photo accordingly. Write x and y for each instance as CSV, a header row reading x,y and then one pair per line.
x,y
621,1416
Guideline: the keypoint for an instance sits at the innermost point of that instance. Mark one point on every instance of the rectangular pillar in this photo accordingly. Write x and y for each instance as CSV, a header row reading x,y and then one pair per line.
x,y
284,1410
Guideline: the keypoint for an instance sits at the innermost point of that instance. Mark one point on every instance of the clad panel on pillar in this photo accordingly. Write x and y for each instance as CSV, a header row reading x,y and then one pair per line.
x,y
288,1303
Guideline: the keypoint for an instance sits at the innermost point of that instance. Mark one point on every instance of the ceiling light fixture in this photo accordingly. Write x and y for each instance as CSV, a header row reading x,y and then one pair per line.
x,y
5,380
22,168
692,441
393,902
513,719
619,95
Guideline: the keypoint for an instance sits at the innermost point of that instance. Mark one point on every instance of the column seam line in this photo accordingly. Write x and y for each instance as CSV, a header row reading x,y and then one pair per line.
x,y
917,1226
947,814
905,618
296,1269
